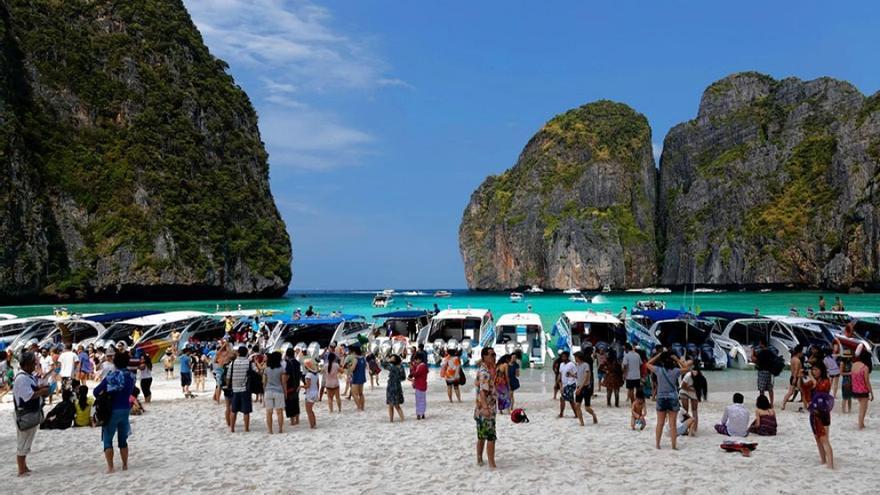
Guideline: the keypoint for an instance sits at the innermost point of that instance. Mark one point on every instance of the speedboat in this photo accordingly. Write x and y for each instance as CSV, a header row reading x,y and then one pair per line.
x,y
12,328
388,292
534,290
466,329
650,305
571,291
516,297
809,333
48,331
413,293
575,329
606,288
686,335
867,325
764,291
315,333
580,298
382,300
394,332
703,290
521,331
443,293
738,335
162,323
656,290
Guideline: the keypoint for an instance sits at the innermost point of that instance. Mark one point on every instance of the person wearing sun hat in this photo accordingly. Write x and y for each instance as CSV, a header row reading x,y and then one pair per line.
x,y
311,380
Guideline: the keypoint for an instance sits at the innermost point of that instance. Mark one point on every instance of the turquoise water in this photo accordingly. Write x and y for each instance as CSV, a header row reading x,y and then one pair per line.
x,y
549,305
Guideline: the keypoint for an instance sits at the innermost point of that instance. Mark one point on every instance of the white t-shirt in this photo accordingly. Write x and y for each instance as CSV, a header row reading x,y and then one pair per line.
x,y
23,388
568,372
46,364
633,364
68,360
736,418
106,368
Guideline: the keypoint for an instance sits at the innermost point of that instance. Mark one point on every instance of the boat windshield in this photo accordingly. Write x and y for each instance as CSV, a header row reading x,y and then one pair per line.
x,y
204,329
406,327
121,332
13,329
508,333
458,329
293,334
750,333
79,331
164,330
680,332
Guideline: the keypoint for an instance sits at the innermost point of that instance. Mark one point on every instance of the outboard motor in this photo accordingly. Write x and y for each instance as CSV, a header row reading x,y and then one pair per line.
x,y
678,349
693,350
602,346
707,353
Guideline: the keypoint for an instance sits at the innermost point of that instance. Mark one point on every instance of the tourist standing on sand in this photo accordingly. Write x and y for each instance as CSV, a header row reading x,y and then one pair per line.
x,y
311,383
237,380
331,381
502,384
568,381
486,406
820,411
145,373
119,383
186,373
275,384
221,358
168,363
796,365
763,358
690,395
69,366
359,377
294,378
667,369
393,387
632,372
450,370
861,384
27,398
583,392
513,375
419,377
85,364
557,378
613,378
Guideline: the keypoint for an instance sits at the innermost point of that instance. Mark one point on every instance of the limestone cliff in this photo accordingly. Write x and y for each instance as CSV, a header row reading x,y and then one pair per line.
x,y
774,182
130,162
577,209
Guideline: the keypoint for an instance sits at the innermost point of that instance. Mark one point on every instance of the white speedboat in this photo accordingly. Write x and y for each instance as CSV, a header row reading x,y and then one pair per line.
x,y
688,335
651,304
516,297
522,331
160,324
467,329
382,300
7,316
12,328
413,293
395,332
865,324
704,290
606,288
534,290
574,330
571,291
443,293
580,298
656,290
764,291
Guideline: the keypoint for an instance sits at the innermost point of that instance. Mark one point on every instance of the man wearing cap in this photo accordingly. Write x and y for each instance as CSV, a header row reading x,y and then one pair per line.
x,y
27,396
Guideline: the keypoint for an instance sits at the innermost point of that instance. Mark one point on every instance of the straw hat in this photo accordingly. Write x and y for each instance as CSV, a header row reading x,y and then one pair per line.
x,y
310,365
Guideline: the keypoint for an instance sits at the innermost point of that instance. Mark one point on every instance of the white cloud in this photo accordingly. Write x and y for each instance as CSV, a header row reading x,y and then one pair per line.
x,y
293,42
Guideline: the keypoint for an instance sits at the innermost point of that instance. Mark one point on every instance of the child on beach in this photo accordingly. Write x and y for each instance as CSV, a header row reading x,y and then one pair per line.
x,y
419,378
168,362
375,369
637,418
136,407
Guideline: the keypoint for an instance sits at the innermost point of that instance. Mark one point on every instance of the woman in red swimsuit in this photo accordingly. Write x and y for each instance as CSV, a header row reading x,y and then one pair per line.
x,y
820,417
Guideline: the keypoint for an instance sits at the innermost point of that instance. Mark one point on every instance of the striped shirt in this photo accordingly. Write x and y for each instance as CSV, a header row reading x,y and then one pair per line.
x,y
238,374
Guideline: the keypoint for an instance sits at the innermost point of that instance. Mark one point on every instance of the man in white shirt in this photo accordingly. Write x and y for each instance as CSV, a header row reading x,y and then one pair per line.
x,y
632,372
69,365
568,377
28,397
735,421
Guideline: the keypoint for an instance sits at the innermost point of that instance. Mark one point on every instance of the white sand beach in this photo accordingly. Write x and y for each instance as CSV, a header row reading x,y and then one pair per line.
x,y
182,446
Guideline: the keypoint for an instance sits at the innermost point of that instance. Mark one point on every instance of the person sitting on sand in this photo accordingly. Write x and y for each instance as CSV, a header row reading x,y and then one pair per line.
x,y
765,418
686,425
83,407
137,408
638,414
735,421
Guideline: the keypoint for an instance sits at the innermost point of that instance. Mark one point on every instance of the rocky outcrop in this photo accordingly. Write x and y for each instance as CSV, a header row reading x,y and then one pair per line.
x,y
577,209
774,182
130,162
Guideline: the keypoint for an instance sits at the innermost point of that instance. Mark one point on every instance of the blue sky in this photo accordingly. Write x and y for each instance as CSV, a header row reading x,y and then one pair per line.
x,y
382,117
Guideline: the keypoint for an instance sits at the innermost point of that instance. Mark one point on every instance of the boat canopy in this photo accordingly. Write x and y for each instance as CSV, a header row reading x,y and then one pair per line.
x,y
316,320
405,314
591,317
461,314
516,319
725,315
120,316
663,314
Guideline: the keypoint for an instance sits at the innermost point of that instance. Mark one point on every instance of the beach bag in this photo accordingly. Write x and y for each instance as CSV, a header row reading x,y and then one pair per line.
x,y
777,365
103,407
25,420
821,402
462,377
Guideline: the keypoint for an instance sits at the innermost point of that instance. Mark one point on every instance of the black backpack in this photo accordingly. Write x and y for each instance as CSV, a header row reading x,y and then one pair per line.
x,y
777,365
103,407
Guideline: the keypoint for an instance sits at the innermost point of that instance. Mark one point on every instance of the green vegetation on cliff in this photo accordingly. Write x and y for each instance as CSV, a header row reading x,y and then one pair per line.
x,y
128,117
